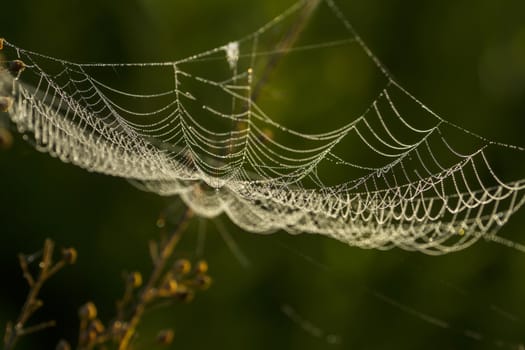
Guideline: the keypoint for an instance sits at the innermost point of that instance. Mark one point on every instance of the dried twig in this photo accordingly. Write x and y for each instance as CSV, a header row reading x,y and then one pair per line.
x,y
148,291
33,303
287,42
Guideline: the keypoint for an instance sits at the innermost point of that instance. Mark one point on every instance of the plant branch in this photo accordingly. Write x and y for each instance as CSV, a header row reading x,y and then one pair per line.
x,y
286,43
32,303
148,291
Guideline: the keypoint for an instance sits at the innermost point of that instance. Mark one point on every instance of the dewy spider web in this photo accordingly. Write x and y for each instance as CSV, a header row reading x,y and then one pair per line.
x,y
202,133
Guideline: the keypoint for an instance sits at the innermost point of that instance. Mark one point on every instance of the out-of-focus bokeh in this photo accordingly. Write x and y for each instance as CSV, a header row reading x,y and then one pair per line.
x,y
464,59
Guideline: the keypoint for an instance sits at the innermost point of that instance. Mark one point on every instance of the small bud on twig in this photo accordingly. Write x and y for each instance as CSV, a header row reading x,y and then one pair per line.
x,y
165,337
202,282
135,279
169,288
201,267
87,311
69,255
182,266
184,294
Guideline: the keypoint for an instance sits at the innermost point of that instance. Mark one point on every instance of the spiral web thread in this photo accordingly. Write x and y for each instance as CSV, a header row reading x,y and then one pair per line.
x,y
425,195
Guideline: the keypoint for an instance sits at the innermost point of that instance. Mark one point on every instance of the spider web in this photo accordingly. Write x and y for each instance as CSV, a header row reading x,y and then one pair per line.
x,y
201,131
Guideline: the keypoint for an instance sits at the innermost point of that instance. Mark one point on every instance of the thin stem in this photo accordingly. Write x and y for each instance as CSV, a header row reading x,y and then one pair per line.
x,y
32,303
281,49
287,42
38,328
160,264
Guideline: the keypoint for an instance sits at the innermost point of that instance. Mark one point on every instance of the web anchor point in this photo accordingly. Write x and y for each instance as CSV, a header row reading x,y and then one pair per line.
x,y
16,67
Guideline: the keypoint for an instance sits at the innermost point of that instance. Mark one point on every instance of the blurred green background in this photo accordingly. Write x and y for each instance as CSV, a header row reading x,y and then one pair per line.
x,y
464,59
